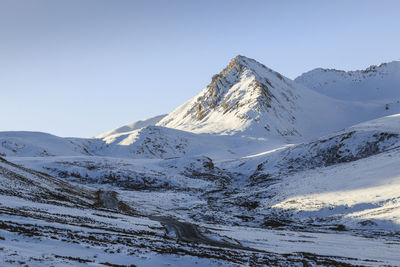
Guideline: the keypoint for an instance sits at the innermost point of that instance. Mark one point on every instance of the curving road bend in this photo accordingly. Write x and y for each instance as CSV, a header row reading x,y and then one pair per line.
x,y
190,233
184,231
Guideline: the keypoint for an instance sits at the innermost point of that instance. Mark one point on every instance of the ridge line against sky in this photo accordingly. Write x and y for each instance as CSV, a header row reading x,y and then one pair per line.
x,y
80,68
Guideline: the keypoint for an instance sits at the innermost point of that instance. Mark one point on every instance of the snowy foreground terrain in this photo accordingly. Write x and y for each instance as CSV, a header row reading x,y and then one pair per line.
x,y
256,170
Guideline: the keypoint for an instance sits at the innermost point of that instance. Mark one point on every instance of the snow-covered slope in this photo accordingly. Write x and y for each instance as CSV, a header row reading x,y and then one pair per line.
x,y
26,184
349,177
151,141
380,83
134,126
364,193
147,142
353,143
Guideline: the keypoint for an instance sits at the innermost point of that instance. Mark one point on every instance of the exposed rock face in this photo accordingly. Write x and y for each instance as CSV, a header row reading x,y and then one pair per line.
x,y
215,97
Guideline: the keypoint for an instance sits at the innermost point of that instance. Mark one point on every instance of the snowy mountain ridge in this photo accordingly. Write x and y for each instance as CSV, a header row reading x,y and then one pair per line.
x,y
247,98
376,84
133,126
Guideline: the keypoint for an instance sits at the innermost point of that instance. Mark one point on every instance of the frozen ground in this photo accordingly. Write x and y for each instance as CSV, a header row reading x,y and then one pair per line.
x,y
48,232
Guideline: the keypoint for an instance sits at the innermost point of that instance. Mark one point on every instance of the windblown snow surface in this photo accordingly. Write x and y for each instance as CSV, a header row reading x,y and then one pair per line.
x,y
256,170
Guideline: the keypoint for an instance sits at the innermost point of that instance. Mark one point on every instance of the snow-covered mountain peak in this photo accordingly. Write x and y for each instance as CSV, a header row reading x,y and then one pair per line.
x,y
248,67
250,99
247,98
239,68
237,99
249,63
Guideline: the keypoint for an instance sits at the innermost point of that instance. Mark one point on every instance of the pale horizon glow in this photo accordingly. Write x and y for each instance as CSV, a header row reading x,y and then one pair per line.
x,y
81,68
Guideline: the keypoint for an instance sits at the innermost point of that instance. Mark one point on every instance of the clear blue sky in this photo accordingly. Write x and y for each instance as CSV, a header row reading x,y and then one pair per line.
x,y
79,68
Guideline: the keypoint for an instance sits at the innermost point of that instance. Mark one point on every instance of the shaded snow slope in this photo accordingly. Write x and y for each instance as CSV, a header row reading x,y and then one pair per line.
x,y
34,186
132,174
133,126
380,83
163,142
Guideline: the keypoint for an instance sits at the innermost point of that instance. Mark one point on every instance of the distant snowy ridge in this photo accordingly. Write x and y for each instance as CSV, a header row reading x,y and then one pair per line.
x,y
151,142
133,126
147,142
37,144
377,83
